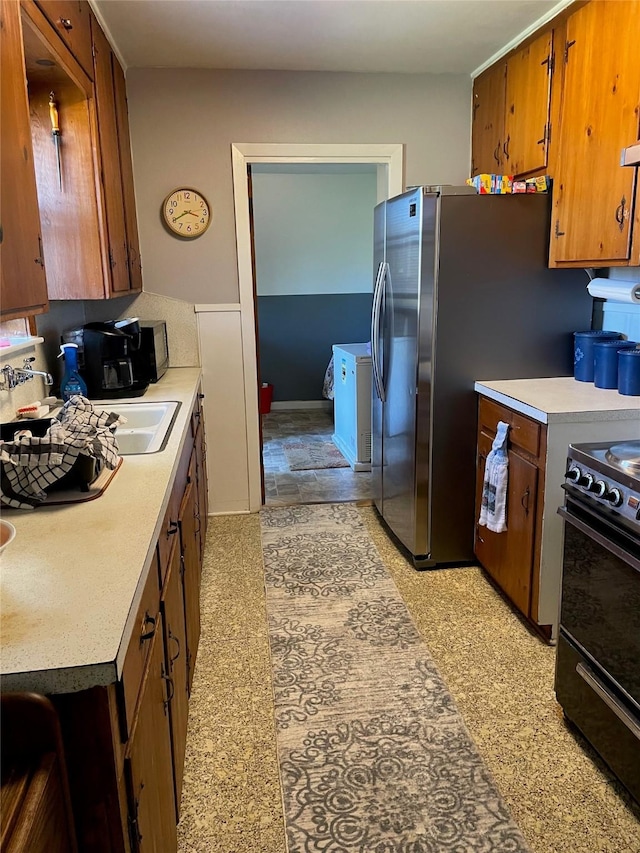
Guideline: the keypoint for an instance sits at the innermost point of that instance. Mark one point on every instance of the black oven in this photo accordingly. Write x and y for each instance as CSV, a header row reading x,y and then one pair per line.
x,y
598,659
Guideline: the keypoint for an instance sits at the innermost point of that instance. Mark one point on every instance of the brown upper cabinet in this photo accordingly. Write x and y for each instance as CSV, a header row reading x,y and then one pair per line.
x,y
528,99
24,287
489,94
70,19
511,104
595,200
84,177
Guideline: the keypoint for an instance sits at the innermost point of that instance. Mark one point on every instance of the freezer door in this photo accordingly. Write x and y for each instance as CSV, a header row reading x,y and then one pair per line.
x,y
379,219
400,375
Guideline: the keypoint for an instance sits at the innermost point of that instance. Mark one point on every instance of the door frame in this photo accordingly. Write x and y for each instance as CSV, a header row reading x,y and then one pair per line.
x,y
389,157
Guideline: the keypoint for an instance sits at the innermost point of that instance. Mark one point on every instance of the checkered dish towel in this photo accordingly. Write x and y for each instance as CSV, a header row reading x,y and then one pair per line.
x,y
493,512
28,464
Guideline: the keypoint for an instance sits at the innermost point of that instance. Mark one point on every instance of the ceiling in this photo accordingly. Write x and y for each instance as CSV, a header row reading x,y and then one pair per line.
x,y
406,36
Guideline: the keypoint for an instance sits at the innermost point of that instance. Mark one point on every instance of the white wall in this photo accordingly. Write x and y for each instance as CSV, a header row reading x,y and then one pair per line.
x,y
313,232
183,123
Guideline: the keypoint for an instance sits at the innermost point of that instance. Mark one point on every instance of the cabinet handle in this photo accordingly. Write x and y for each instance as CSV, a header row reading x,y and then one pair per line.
x,y
148,620
478,537
170,693
558,232
524,498
620,213
177,654
496,153
40,258
173,528
65,23
505,147
200,396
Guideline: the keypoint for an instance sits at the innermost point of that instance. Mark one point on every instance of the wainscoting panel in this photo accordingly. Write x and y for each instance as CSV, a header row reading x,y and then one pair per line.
x,y
221,357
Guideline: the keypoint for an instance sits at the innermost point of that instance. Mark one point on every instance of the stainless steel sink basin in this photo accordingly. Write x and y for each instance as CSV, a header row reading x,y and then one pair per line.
x,y
147,428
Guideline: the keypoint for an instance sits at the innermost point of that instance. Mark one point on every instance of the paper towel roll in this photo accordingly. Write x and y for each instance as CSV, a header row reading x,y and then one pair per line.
x,y
615,289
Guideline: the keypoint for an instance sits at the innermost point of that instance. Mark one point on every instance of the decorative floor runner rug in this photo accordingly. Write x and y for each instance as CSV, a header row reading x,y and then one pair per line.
x,y
312,452
374,757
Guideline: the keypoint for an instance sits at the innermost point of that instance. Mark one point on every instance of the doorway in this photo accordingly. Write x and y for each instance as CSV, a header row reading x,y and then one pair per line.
x,y
389,181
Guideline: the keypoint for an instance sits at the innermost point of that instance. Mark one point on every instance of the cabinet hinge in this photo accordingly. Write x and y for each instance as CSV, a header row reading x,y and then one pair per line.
x,y
557,230
548,133
112,263
182,565
567,45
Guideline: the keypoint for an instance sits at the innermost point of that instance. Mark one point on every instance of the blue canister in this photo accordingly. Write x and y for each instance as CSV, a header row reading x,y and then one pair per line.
x,y
629,372
583,351
605,362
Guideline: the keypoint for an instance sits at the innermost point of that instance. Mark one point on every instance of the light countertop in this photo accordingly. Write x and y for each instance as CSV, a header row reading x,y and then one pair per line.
x,y
71,580
561,400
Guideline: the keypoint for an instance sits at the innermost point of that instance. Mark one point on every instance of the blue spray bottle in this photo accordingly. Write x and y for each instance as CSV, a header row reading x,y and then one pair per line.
x,y
72,383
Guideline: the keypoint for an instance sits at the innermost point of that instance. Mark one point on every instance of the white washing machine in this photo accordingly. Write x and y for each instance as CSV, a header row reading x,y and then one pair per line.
x,y
352,403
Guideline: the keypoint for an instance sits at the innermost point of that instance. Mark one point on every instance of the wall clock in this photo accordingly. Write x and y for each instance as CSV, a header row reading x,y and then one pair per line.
x,y
186,213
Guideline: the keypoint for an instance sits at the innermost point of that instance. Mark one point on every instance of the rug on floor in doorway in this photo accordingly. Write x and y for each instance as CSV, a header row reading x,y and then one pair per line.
x,y
373,753
312,452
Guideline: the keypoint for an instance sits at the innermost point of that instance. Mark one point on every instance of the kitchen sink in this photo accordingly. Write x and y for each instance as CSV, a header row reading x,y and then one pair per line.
x,y
147,428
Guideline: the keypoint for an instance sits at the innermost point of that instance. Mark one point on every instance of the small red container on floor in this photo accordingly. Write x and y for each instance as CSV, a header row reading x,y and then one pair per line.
x,y
266,395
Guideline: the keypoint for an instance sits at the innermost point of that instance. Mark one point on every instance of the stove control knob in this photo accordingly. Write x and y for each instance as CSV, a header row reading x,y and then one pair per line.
x,y
599,489
587,481
614,497
573,474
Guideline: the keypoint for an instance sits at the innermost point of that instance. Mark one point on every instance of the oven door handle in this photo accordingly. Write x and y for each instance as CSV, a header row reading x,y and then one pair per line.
x,y
614,549
587,675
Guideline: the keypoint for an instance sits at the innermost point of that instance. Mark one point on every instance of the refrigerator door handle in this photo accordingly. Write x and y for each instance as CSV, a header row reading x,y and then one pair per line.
x,y
375,330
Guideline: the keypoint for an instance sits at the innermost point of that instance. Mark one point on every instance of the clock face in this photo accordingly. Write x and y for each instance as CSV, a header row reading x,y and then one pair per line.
x,y
186,213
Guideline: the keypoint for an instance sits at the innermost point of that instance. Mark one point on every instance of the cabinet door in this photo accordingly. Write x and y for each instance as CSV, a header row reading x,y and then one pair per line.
x,y
488,120
508,556
126,167
202,502
110,159
527,107
176,663
150,771
190,570
70,19
24,287
592,194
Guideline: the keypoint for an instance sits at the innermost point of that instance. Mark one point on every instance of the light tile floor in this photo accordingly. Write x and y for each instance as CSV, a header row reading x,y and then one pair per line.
x,y
500,674
283,486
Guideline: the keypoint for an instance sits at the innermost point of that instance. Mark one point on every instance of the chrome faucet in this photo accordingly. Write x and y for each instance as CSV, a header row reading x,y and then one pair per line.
x,y
13,376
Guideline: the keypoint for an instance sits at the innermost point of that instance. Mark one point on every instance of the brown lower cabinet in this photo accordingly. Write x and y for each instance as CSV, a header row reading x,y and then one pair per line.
x,y
512,558
125,743
148,763
175,644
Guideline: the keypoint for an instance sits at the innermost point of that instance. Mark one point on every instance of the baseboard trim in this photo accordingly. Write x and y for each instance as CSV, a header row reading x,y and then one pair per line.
x,y
283,405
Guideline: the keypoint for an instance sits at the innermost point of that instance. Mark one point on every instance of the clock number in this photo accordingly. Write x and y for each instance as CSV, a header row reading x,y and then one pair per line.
x,y
187,196
188,228
197,227
202,220
205,212
201,204
171,212
180,224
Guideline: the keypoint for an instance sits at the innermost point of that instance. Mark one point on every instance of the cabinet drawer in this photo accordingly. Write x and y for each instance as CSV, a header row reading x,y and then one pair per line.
x,y
144,629
72,21
523,431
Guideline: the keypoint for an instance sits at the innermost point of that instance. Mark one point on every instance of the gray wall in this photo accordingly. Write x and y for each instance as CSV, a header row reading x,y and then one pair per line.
x,y
183,123
296,334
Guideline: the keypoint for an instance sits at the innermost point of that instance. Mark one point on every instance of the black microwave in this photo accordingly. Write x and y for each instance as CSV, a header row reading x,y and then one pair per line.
x,y
153,355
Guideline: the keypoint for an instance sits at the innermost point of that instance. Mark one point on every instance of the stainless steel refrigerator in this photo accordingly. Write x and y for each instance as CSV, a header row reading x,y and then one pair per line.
x,y
462,293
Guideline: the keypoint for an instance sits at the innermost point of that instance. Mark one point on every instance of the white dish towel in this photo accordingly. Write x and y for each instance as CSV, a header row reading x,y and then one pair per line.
x,y
493,512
